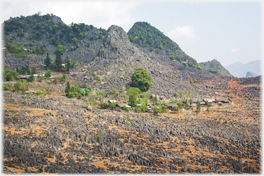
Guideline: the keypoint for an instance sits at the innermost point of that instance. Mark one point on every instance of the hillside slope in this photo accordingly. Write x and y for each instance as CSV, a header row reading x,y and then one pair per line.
x,y
214,66
106,58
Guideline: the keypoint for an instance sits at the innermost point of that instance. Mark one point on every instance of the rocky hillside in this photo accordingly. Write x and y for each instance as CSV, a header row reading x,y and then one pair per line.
x,y
149,38
215,66
107,58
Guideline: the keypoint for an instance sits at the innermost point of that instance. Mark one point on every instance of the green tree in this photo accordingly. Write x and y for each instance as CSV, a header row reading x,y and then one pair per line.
x,y
31,78
60,50
141,79
68,64
48,73
47,61
133,91
58,62
68,89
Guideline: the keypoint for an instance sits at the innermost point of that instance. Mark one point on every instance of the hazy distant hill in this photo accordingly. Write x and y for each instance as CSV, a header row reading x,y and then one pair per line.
x,y
238,69
215,67
251,74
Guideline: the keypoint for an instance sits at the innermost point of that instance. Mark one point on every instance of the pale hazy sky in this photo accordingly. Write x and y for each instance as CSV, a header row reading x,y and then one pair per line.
x,y
227,31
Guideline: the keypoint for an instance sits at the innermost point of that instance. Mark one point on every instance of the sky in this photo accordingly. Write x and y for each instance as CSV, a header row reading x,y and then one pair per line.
x,y
205,30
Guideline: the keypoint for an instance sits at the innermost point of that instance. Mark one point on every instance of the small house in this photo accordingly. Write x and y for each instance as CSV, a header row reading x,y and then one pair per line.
x,y
111,101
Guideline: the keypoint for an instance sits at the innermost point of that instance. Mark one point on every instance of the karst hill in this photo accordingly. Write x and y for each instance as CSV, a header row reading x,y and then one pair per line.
x,y
111,55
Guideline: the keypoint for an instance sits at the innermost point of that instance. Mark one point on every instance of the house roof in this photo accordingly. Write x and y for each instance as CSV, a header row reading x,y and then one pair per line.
x,y
196,99
123,104
209,100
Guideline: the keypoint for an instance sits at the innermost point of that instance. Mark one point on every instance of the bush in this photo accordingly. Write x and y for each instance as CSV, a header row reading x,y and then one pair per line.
x,y
137,109
143,107
103,105
249,98
48,73
126,120
175,108
112,105
31,78
133,91
141,79
79,96
156,110
6,86
126,108
10,75
132,101
39,92
62,78
71,95
96,78
18,86
40,78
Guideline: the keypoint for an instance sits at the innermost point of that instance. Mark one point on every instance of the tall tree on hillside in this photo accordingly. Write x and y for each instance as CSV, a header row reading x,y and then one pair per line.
x,y
47,61
58,62
68,64
59,52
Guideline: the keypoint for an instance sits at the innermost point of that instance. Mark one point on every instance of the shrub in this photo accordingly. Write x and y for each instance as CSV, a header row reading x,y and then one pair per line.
x,y
175,108
31,78
126,108
156,110
79,96
48,73
126,120
39,92
249,98
133,91
71,95
143,107
62,78
96,78
103,105
10,75
112,105
40,78
6,86
137,109
132,101
141,79
17,86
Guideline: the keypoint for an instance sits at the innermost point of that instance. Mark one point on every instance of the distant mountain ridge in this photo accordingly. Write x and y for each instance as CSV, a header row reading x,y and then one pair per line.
x,y
251,74
214,66
240,70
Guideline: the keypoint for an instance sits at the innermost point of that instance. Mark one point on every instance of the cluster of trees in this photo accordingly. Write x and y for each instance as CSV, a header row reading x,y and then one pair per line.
x,y
19,87
75,91
10,75
26,70
57,63
57,32
19,49
145,35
